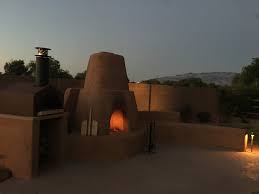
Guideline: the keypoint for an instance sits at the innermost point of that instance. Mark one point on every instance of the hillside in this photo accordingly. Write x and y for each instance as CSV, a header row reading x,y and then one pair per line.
x,y
218,78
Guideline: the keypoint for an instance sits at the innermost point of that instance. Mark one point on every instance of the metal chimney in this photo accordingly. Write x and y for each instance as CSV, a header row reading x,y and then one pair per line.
x,y
42,67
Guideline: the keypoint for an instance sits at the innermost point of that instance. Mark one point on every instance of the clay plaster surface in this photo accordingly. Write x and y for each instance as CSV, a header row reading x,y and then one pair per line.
x,y
170,170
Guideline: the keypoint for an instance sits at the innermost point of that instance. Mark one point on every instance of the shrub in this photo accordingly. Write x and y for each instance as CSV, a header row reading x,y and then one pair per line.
x,y
204,117
243,119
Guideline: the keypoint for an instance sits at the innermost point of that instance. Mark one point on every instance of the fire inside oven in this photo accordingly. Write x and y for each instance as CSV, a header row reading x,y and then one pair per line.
x,y
118,122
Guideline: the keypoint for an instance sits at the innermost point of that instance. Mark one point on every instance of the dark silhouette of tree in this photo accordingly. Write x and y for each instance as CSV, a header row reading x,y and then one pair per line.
x,y
63,74
15,67
236,80
249,75
192,82
151,81
31,68
170,83
55,70
80,75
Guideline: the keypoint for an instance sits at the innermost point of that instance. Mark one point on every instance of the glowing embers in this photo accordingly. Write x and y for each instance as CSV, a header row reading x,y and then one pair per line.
x,y
118,122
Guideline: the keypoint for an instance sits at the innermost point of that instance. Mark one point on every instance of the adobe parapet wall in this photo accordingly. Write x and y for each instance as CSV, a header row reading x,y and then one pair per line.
x,y
208,136
163,98
173,99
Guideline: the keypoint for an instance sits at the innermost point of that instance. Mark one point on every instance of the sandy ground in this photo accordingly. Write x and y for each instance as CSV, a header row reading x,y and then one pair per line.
x,y
170,170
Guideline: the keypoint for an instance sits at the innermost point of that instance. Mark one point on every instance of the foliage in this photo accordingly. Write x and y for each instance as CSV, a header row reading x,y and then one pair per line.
x,y
204,117
238,99
62,74
225,103
190,82
80,75
236,80
170,83
249,76
151,81
15,67
243,119
31,66
236,102
55,70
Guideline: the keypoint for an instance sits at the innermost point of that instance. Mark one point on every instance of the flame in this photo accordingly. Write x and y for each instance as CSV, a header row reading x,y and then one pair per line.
x,y
118,122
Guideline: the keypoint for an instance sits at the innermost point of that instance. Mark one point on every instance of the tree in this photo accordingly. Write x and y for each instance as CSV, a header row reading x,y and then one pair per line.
x,y
249,75
63,74
15,67
80,75
236,79
170,82
192,82
31,66
151,81
55,70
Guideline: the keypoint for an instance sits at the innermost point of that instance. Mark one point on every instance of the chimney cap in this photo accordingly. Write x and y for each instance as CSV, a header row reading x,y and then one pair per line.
x,y
43,48
42,51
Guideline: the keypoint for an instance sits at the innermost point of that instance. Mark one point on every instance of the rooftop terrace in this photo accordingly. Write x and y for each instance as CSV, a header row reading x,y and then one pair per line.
x,y
172,169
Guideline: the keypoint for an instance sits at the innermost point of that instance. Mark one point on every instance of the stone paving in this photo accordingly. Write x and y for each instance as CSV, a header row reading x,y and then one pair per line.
x,y
170,170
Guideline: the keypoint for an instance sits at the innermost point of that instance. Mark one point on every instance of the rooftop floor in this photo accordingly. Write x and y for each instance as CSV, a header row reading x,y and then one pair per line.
x,y
170,170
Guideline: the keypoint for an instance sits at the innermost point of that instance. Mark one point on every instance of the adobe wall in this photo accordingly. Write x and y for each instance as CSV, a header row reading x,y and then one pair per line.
x,y
17,137
19,142
60,84
141,92
63,84
201,135
174,99
163,98
107,147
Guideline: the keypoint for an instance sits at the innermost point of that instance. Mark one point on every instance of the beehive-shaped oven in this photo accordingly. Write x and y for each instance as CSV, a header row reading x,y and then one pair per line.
x,y
105,101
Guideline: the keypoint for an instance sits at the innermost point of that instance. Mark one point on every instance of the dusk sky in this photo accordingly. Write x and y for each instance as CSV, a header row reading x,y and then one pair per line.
x,y
156,37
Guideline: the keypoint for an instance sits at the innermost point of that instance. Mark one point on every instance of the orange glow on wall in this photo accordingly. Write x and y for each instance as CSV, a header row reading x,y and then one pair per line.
x,y
245,142
118,122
